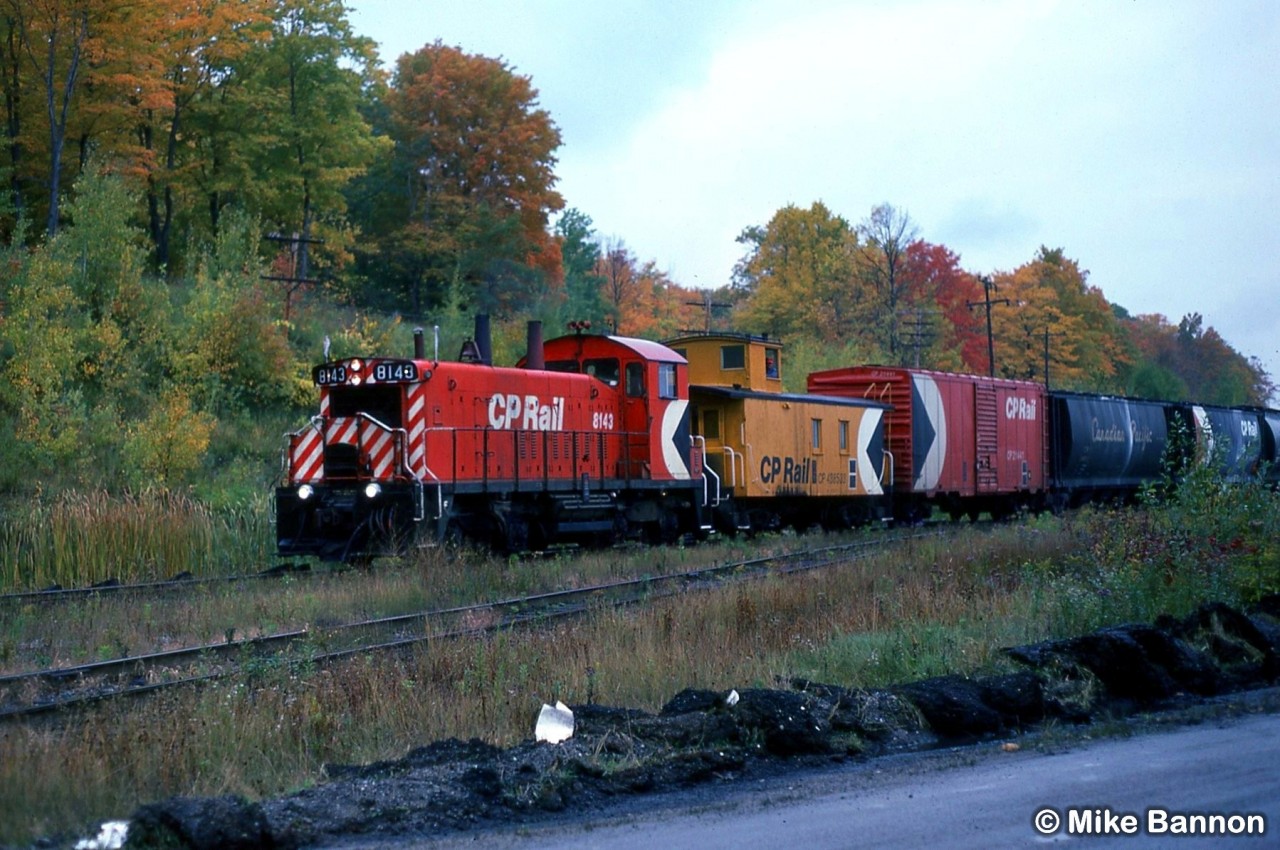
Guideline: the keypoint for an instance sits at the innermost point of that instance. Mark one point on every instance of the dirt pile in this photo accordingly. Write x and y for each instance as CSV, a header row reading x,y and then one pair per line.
x,y
704,736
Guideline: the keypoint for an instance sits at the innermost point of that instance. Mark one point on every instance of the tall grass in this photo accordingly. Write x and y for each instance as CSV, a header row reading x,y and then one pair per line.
x,y
936,607
81,538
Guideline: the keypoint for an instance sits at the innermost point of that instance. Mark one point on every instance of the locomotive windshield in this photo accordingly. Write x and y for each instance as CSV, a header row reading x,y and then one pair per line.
x,y
602,368
380,402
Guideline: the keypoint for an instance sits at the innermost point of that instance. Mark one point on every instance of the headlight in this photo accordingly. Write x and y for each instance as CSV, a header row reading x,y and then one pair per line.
x,y
305,492
372,490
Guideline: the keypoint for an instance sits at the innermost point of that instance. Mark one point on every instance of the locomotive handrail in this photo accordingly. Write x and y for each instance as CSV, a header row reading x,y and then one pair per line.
x,y
402,440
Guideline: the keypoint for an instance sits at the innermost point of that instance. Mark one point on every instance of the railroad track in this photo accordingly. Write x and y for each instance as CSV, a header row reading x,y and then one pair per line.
x,y
183,581
48,691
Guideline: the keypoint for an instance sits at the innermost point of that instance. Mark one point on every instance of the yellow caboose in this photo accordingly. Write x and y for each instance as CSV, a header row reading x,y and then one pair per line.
x,y
781,458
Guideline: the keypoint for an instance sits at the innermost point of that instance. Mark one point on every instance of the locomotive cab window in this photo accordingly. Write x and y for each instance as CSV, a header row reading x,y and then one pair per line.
x,y
666,380
603,368
562,366
733,357
382,402
635,379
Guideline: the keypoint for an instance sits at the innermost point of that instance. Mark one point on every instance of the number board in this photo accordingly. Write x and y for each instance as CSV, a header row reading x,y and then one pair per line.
x,y
330,373
394,372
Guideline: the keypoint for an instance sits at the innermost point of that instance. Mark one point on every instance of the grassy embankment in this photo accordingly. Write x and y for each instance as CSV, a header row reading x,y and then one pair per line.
x,y
944,606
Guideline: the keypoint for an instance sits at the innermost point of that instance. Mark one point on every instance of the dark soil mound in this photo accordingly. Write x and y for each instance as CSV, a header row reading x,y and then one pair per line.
x,y
707,736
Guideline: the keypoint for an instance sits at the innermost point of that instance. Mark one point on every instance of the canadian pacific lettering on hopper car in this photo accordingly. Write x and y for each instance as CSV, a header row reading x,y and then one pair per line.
x,y
607,438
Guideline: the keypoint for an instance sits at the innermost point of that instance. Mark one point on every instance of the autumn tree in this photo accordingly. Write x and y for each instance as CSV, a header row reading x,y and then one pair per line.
x,y
798,275
1191,362
476,157
1087,349
934,316
617,269
178,53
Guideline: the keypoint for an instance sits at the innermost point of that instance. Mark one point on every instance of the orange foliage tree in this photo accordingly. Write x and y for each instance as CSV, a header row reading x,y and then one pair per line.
x,y
1087,347
477,154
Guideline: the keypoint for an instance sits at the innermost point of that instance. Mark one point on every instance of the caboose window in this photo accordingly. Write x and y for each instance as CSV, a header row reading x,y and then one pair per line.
x,y
771,363
733,357
816,434
666,380
844,435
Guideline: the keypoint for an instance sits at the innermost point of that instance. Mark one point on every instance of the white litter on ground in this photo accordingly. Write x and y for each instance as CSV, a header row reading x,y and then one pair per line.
x,y
555,723
110,837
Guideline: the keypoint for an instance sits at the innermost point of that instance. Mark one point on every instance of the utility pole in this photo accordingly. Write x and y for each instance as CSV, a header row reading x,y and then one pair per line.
x,y
293,281
1046,355
918,332
707,304
988,286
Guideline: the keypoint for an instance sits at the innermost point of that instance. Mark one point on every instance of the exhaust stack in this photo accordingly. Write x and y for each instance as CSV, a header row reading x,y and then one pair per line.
x,y
535,357
480,349
483,340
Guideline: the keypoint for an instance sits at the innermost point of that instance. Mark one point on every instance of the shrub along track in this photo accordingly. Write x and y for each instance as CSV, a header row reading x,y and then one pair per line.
x,y
46,692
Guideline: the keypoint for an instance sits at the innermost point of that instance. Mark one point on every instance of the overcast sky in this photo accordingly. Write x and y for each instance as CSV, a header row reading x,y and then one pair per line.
x,y
1142,136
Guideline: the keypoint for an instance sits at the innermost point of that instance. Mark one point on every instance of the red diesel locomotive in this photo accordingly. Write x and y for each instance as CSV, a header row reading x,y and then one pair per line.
x,y
589,436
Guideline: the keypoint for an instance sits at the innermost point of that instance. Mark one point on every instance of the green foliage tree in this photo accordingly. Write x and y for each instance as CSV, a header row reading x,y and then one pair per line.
x,y
580,254
86,337
233,355
308,85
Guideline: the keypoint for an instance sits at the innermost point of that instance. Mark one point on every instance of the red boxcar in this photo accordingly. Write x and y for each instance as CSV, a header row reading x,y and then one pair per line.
x,y
962,442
